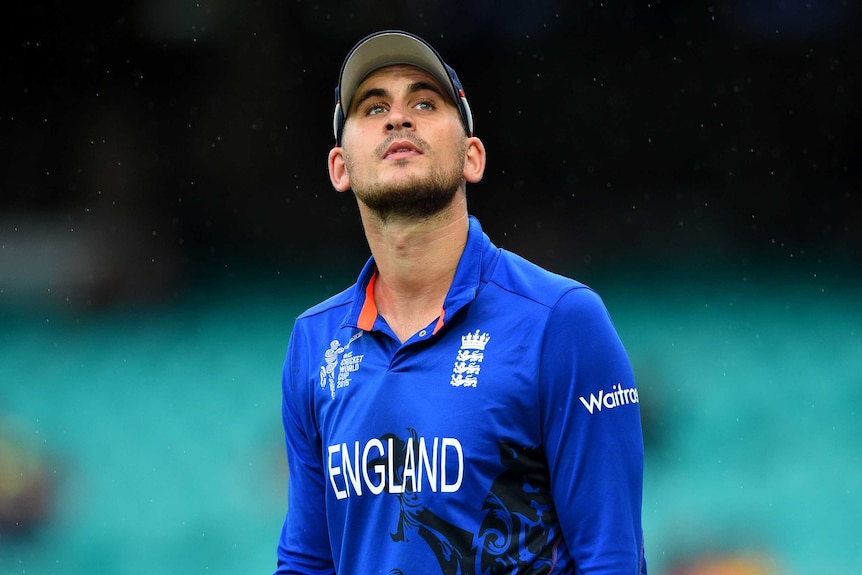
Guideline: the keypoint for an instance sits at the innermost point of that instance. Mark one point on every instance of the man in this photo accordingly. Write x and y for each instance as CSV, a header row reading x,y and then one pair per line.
x,y
459,409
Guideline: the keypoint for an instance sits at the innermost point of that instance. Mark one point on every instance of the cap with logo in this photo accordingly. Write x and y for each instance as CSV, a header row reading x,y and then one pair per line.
x,y
388,48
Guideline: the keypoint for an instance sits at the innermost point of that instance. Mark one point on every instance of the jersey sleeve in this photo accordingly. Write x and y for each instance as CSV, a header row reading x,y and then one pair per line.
x,y
592,434
303,548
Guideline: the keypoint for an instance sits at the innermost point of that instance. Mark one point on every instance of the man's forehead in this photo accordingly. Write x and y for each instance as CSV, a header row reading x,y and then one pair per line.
x,y
398,71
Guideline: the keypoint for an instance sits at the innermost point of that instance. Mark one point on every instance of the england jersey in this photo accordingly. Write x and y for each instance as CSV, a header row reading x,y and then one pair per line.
x,y
502,438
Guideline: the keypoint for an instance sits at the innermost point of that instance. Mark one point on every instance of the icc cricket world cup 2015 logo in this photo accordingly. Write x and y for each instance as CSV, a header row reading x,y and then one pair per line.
x,y
349,364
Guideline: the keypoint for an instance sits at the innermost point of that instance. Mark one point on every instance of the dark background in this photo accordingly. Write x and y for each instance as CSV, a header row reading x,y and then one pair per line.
x,y
148,144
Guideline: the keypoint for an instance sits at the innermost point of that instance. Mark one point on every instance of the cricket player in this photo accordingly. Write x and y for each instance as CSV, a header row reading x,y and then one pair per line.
x,y
458,410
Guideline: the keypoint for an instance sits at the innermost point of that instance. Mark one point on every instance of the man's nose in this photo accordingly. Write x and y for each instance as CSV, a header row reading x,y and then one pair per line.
x,y
399,118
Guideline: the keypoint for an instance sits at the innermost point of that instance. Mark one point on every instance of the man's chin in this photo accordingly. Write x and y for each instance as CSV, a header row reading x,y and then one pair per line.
x,y
409,201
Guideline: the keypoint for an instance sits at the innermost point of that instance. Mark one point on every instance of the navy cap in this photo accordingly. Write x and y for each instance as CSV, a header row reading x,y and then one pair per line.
x,y
388,48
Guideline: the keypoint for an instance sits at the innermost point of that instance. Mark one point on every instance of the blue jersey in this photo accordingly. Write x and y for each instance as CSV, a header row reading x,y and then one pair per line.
x,y
503,438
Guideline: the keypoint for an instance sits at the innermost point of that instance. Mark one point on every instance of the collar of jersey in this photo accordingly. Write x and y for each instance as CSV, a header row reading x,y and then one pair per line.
x,y
465,285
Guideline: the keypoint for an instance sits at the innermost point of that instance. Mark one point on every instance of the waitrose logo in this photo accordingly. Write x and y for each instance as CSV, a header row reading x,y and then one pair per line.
x,y
610,399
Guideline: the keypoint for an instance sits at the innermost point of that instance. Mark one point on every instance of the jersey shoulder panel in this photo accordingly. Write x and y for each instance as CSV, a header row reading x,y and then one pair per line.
x,y
338,302
522,277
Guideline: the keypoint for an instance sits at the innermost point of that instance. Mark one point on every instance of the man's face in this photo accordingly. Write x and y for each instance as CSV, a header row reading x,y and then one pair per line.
x,y
403,143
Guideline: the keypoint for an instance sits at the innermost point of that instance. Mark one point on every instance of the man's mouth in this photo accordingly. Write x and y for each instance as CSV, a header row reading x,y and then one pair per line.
x,y
400,150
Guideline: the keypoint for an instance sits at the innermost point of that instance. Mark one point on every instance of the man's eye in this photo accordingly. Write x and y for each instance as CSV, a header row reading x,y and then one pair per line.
x,y
375,109
425,105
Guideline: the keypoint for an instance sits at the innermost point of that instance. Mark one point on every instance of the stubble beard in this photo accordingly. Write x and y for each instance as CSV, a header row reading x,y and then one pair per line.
x,y
416,197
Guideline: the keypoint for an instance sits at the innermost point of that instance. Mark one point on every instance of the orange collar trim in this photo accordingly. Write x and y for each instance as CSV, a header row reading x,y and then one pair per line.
x,y
439,320
368,313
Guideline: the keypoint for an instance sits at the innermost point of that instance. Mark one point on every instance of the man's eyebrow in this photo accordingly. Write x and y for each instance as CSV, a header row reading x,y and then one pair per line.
x,y
419,86
370,93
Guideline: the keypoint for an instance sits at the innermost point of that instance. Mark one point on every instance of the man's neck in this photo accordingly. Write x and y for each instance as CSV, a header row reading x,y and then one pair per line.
x,y
416,261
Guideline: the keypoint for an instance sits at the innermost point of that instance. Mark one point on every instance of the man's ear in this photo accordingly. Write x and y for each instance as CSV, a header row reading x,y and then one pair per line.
x,y
337,172
474,160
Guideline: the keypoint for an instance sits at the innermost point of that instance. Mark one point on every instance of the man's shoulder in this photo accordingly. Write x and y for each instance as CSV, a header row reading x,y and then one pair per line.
x,y
337,303
522,277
